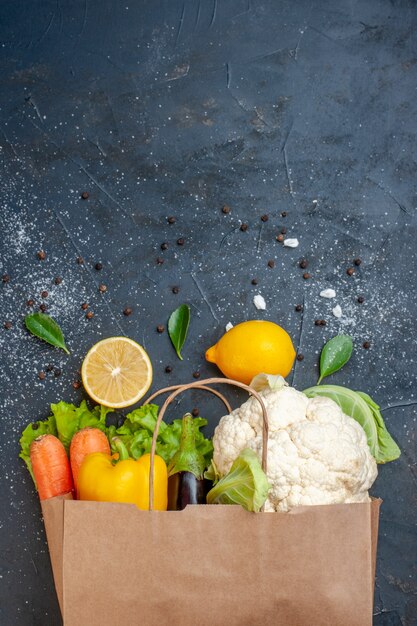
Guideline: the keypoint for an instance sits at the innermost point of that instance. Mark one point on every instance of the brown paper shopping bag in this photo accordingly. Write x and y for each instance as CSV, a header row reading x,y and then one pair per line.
x,y
213,565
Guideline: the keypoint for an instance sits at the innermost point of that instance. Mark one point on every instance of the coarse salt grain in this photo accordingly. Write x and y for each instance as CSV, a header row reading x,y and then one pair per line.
x,y
259,302
337,311
291,243
328,293
229,326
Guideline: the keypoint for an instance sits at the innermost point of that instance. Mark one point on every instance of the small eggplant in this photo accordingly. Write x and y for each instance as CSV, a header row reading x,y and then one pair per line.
x,y
184,488
186,482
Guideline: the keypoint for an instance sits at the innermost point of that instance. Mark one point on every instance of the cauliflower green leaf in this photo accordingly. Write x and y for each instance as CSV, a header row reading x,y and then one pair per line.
x,y
245,484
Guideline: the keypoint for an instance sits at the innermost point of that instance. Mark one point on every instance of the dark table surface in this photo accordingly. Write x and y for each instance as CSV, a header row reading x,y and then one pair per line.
x,y
178,108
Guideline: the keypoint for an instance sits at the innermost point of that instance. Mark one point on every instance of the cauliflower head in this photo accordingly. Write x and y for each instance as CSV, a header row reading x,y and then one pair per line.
x,y
316,453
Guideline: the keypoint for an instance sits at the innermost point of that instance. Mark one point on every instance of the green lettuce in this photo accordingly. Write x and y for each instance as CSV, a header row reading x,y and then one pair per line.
x,y
245,484
69,419
139,425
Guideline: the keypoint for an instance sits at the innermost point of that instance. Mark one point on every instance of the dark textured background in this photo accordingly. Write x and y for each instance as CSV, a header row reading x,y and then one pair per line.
x,y
176,108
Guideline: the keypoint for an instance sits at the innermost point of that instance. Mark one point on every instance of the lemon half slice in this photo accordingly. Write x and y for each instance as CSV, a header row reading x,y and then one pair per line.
x,y
116,372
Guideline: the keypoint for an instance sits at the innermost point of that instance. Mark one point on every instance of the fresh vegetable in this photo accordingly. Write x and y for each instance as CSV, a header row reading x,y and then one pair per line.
x,y
32,432
251,348
127,481
66,419
178,327
186,483
116,372
245,484
137,431
365,411
47,329
86,441
316,454
69,419
51,468
335,354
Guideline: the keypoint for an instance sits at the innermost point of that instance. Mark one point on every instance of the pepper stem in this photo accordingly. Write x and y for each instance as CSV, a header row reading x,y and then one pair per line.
x,y
121,449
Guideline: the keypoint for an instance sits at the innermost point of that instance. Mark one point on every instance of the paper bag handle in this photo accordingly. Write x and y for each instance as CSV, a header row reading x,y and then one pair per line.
x,y
199,386
203,384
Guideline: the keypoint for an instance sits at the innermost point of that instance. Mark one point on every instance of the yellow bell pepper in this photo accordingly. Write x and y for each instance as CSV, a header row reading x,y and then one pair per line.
x,y
126,481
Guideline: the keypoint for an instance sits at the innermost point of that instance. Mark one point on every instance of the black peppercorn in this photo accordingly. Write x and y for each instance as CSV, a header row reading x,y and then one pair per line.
x,y
195,412
98,266
303,264
361,299
168,369
7,325
44,294
175,290
102,288
298,307
280,237
57,280
76,384
49,367
85,195
160,328
35,426
171,219
196,374
283,231
254,281
264,218
284,213
300,357
159,260
226,209
357,262
43,307
181,241
127,311
244,227
366,345
41,255
57,372
317,322
323,322
350,271
5,278
79,260
271,263
30,302
164,246
84,306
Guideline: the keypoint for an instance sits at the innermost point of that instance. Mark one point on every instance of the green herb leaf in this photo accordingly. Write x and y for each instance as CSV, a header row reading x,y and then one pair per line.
x,y
245,484
47,329
178,326
334,355
365,411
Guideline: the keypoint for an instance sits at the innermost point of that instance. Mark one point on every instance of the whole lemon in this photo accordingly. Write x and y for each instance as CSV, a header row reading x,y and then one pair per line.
x,y
252,348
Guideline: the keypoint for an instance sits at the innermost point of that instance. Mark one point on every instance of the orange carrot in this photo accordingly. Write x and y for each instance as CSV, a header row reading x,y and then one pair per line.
x,y
86,441
50,466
